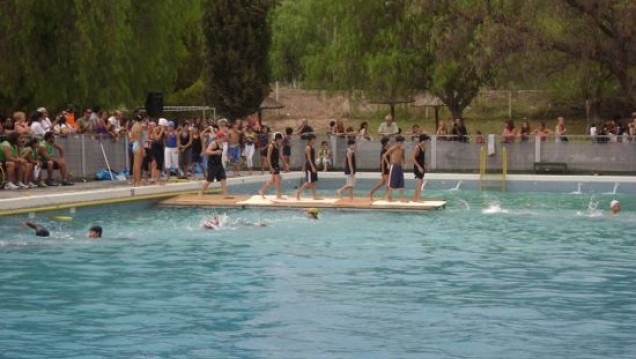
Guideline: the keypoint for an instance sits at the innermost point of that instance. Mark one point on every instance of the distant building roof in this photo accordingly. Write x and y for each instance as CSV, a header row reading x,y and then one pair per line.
x,y
270,104
428,100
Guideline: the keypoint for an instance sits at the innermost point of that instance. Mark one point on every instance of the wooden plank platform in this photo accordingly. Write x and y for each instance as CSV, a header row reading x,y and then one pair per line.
x,y
255,201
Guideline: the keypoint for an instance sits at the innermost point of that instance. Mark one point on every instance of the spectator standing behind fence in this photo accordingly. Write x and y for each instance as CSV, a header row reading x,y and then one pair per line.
x,y
304,129
114,124
20,123
35,124
509,134
459,131
363,132
442,132
416,131
560,130
82,122
287,148
389,127
70,118
542,132
47,125
524,132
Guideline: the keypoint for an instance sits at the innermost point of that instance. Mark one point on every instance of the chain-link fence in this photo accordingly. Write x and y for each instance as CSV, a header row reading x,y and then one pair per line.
x,y
581,154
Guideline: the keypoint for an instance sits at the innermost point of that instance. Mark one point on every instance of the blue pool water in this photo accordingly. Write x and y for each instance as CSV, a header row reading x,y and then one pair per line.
x,y
495,275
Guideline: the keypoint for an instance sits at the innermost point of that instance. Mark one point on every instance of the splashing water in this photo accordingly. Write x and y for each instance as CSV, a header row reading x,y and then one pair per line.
x,y
592,209
456,188
578,189
616,185
465,204
494,207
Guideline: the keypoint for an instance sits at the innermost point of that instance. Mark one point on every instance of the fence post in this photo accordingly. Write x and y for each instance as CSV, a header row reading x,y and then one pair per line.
x,y
537,149
83,154
433,163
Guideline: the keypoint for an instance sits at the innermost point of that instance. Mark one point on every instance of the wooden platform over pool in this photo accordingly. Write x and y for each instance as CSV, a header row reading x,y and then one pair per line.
x,y
255,201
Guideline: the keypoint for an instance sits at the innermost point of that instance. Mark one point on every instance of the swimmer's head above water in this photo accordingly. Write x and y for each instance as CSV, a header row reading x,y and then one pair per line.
x,y
615,207
312,213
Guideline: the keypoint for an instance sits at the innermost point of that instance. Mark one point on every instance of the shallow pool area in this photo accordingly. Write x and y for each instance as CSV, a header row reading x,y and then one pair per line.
x,y
494,275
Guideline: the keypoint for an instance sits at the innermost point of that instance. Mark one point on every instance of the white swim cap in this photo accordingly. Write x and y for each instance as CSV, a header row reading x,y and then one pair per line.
x,y
614,203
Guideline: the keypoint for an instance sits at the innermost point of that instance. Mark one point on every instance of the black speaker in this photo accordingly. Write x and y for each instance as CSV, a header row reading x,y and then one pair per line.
x,y
154,104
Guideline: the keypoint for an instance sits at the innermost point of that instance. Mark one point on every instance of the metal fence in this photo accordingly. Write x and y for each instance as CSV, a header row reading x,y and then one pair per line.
x,y
582,154
84,156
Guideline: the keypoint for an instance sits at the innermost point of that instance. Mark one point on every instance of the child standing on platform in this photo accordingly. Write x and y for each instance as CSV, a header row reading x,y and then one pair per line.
x,y
311,172
350,170
419,166
396,174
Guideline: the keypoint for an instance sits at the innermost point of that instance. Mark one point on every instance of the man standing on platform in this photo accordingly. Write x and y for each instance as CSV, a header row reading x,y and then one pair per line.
x,y
216,172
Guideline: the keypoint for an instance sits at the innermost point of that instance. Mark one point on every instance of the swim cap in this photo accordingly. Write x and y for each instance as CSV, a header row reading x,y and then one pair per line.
x,y
614,203
313,212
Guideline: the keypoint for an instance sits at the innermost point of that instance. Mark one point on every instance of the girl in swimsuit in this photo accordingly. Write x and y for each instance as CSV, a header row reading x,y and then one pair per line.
x,y
135,137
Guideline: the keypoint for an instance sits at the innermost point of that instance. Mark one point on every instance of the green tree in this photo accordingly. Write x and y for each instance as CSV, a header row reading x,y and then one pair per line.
x,y
237,42
107,53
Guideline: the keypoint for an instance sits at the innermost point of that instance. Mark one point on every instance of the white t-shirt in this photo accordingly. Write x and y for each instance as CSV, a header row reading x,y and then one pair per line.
x,y
37,129
115,123
61,129
46,124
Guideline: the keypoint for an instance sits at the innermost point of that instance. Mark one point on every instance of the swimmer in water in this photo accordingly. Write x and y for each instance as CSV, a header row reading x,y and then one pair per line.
x,y
94,232
211,223
615,207
40,230
312,213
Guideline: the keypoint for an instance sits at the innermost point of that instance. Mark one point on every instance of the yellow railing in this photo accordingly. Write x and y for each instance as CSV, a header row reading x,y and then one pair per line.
x,y
483,160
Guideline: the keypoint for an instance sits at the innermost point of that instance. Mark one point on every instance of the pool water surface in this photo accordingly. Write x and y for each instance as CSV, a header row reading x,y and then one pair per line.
x,y
494,275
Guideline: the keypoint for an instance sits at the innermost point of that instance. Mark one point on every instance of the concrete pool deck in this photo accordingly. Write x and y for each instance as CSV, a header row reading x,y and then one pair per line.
x,y
108,192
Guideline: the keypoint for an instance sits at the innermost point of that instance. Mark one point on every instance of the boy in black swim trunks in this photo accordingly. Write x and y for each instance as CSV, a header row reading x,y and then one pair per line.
x,y
384,168
216,172
273,160
419,166
311,172
350,170
395,156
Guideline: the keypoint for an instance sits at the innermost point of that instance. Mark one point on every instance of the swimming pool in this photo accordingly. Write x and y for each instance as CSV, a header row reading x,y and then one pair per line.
x,y
495,275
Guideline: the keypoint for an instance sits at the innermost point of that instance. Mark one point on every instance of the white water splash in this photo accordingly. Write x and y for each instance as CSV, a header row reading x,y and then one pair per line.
x,y
494,207
465,204
578,189
592,209
616,185
456,188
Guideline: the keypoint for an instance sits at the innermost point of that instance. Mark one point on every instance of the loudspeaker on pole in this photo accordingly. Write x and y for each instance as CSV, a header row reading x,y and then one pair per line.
x,y
154,104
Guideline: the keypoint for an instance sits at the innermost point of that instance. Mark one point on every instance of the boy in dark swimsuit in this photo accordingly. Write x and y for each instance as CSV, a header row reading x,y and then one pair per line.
x,y
216,172
396,173
419,166
350,170
273,160
311,172
384,168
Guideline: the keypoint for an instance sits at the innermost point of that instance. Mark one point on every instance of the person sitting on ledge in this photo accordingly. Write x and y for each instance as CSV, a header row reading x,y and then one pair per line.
x,y
53,162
